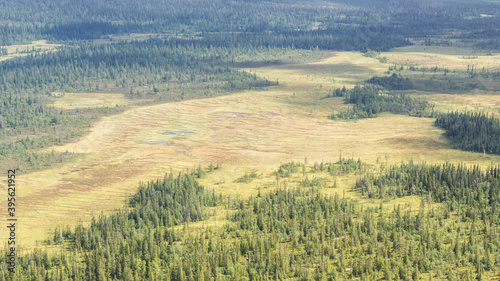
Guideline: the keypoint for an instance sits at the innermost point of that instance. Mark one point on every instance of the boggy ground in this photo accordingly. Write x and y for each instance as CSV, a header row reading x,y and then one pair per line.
x,y
254,130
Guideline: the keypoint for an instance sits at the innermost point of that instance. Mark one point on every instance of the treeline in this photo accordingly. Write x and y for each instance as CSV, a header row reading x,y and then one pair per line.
x,y
130,244
297,234
305,235
368,101
340,37
466,18
172,201
470,131
14,34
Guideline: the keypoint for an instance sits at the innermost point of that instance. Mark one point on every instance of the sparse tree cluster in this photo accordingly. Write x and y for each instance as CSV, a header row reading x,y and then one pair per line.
x,y
393,82
470,191
369,100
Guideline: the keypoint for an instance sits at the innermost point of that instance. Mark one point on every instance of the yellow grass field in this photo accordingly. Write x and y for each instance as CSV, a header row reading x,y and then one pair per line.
x,y
254,130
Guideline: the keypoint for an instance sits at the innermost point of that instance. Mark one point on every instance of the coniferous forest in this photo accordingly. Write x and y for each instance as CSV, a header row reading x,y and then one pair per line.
x,y
349,219
289,233
472,131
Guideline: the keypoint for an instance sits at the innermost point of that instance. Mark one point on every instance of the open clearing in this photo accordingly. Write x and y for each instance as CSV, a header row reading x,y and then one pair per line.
x,y
125,38
248,131
23,50
117,38
84,100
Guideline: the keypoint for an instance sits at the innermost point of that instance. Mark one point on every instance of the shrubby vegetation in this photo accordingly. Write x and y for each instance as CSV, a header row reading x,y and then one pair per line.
x,y
470,131
247,177
342,167
375,55
285,170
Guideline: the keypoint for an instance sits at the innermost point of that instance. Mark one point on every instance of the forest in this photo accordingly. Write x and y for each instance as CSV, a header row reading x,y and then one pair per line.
x,y
472,131
88,67
377,25
289,233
